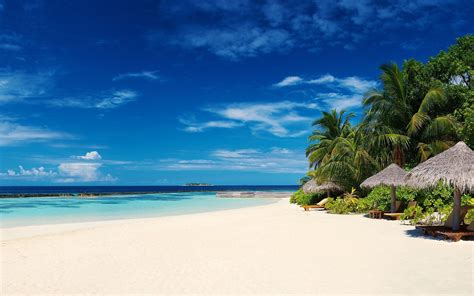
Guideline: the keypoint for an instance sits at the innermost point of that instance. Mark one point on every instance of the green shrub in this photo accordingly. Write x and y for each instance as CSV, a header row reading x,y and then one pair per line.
x,y
435,205
406,194
344,205
378,198
339,206
413,214
302,199
435,199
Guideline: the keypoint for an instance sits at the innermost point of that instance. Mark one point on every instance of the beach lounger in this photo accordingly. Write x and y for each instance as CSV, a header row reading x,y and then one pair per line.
x,y
319,205
456,235
398,214
446,229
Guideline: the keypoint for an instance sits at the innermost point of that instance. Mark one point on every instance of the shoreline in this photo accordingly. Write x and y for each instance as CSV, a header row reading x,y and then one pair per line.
x,y
265,249
132,218
108,194
27,231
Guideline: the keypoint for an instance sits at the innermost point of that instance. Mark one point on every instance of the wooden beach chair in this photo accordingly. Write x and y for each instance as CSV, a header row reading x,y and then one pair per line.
x,y
446,229
399,212
319,205
456,235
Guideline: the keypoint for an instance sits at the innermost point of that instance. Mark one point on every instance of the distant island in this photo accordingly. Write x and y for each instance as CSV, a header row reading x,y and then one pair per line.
x,y
198,184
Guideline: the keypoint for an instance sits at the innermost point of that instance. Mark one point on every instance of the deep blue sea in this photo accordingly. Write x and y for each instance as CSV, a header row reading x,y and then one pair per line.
x,y
171,200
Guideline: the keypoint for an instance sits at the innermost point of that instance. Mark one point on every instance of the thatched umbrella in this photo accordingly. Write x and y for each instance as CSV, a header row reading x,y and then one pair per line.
x,y
313,187
392,176
310,186
454,167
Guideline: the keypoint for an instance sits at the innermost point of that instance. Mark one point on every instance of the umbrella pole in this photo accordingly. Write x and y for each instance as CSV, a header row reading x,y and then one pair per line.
x,y
457,209
393,194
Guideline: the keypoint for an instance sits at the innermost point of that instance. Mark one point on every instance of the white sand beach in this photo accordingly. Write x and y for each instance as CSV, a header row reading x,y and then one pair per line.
x,y
271,249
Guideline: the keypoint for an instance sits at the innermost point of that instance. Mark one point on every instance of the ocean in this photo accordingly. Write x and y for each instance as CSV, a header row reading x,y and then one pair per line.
x,y
164,201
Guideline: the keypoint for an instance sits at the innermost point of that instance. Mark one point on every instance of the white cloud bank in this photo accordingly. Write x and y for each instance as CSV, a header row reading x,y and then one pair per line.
x,y
33,172
82,172
66,172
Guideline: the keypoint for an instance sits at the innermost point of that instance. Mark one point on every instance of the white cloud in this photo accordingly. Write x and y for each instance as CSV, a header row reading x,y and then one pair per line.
x,y
18,86
39,172
240,153
340,101
149,75
82,172
108,100
277,118
196,127
93,155
328,78
12,133
357,84
242,40
66,173
353,83
274,160
239,29
290,80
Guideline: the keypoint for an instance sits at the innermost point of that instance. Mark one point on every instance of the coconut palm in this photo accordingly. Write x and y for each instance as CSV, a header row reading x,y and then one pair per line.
x,y
329,129
402,129
348,162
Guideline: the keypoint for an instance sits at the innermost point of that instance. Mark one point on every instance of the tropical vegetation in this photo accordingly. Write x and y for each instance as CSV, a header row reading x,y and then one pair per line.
x,y
418,110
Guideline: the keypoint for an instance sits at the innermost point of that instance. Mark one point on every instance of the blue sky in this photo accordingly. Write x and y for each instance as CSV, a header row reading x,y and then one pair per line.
x,y
169,92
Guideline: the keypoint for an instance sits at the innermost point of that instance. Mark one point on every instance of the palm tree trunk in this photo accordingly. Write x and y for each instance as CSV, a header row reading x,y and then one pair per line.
x,y
393,195
457,209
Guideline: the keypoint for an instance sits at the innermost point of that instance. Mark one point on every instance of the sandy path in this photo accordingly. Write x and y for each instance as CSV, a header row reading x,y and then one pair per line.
x,y
275,248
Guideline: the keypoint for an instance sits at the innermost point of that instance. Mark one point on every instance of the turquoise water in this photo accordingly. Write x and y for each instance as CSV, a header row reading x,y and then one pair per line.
x,y
53,210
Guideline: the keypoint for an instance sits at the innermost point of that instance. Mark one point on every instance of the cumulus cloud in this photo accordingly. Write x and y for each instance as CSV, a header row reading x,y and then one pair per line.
x,y
93,155
88,168
85,172
148,75
277,118
12,133
39,172
71,172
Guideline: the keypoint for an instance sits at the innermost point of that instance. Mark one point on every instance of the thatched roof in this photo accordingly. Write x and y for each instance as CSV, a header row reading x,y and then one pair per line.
x,y
313,187
454,166
393,175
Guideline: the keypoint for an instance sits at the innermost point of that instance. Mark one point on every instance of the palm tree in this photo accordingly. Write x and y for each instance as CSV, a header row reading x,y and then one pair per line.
x,y
337,152
405,130
329,129
349,162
